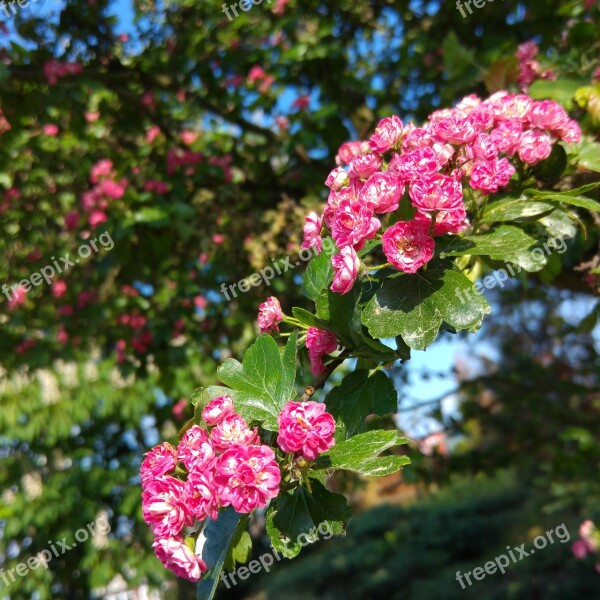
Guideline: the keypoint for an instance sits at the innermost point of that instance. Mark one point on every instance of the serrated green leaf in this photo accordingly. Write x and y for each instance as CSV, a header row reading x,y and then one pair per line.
x,y
501,241
515,209
359,396
361,454
281,542
414,306
572,197
319,273
301,511
264,382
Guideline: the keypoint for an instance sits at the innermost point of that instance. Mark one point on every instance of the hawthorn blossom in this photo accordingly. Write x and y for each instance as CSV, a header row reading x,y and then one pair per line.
x,y
387,135
312,232
382,192
489,176
233,431
436,192
247,477
164,506
408,245
201,498
345,265
319,343
161,460
176,556
306,429
195,449
270,315
218,409
353,224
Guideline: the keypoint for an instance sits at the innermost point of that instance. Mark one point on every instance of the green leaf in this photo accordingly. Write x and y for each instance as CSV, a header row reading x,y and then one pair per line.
x,y
281,542
457,58
343,315
309,319
515,209
212,546
319,273
562,90
501,241
361,454
359,396
301,512
264,382
559,224
240,548
550,170
573,197
588,155
414,306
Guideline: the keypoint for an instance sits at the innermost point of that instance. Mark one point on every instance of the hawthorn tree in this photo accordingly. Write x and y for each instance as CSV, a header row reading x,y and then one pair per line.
x,y
152,136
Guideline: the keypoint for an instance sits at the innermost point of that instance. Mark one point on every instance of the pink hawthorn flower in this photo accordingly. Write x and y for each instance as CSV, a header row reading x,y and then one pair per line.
x,y
103,169
189,137
96,218
306,429
349,150
408,245
319,343
507,136
387,134
71,220
580,549
270,315
161,460
201,499
50,129
337,179
416,163
301,103
364,165
19,297
218,409
382,192
195,450
59,288
91,116
152,133
247,477
436,192
233,431
176,556
312,232
446,221
534,146
456,129
164,506
353,224
345,265
489,176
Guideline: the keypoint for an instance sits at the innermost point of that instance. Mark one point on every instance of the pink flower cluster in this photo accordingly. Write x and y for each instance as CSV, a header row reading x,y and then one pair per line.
x,y
474,144
319,343
225,465
55,70
529,67
305,428
106,187
588,542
